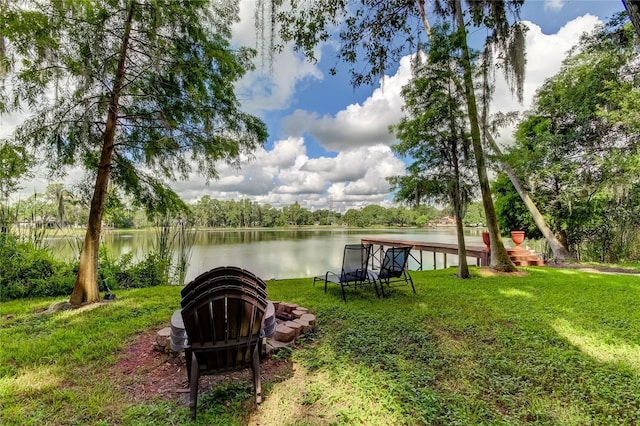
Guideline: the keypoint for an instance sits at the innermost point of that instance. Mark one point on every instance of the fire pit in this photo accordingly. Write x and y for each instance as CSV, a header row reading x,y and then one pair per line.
x,y
284,323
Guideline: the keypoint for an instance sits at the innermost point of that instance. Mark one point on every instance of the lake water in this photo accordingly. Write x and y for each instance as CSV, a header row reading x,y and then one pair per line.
x,y
282,253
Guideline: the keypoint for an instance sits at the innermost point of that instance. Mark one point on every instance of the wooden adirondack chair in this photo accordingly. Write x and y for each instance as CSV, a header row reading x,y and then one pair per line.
x,y
219,276
223,322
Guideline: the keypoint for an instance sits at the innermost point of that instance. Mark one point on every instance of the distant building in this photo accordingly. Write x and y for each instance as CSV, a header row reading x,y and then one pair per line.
x,y
446,221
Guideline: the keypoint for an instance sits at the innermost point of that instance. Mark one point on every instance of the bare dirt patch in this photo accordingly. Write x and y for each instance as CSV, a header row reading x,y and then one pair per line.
x,y
487,272
601,269
146,374
583,267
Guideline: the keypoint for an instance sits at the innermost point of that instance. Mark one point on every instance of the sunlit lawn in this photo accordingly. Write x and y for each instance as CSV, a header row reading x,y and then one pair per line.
x,y
555,347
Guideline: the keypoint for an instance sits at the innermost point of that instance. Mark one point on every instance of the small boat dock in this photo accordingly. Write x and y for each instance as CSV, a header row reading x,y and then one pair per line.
x,y
480,253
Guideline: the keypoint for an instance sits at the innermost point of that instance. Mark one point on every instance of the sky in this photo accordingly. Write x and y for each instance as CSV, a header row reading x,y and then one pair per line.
x,y
329,145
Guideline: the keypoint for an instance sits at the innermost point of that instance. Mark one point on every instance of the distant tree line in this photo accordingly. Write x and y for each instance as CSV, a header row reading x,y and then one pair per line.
x,y
59,207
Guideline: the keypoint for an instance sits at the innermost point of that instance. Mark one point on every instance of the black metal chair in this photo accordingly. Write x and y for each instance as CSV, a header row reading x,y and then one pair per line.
x,y
394,268
355,263
223,323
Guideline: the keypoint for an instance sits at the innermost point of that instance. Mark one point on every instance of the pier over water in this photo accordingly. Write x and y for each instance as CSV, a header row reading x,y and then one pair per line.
x,y
480,253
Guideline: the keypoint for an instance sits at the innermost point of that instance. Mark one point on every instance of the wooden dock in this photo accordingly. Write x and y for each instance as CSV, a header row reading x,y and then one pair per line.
x,y
480,253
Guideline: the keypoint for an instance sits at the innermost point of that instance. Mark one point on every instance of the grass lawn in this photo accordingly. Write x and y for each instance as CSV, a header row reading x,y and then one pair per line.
x,y
549,347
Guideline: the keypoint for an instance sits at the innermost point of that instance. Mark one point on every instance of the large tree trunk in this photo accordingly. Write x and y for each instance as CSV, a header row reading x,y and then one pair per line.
x,y
499,257
463,267
560,251
61,213
85,289
458,207
633,8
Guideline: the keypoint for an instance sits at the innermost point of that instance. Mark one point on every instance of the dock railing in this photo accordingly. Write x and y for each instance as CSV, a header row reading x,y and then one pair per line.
x,y
480,253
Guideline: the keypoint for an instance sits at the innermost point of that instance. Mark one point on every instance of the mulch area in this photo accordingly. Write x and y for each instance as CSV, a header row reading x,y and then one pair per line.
x,y
146,373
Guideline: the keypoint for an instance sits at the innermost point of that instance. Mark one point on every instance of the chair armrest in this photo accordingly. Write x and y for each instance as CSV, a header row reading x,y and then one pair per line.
x,y
332,277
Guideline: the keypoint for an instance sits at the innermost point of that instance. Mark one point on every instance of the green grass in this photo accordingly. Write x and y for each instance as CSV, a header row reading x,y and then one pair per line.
x,y
554,347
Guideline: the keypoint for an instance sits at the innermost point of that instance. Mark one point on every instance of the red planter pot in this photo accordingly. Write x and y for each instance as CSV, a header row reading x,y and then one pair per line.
x,y
486,239
517,237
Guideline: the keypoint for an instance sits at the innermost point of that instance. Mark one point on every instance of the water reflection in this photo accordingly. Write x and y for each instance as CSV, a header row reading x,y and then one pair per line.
x,y
289,253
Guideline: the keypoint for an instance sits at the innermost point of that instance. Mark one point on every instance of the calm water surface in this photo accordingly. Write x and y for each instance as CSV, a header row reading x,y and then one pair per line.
x,y
275,254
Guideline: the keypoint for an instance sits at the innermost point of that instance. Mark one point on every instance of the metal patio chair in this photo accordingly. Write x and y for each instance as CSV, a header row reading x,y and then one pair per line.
x,y
354,271
394,268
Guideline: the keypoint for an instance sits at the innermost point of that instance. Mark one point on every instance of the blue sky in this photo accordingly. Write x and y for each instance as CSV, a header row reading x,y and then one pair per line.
x,y
329,146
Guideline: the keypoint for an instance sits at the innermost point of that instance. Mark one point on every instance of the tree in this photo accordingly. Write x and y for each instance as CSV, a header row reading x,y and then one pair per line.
x,y
515,64
117,213
512,213
514,67
136,92
232,216
383,32
373,214
14,166
203,212
57,194
633,8
433,131
577,149
475,214
560,251
270,216
351,217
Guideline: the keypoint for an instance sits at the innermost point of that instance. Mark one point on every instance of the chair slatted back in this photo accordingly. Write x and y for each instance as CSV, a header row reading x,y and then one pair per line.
x,y
222,271
223,324
251,283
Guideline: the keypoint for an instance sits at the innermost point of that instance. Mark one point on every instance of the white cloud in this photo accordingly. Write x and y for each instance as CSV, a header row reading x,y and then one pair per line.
x,y
553,5
357,125
9,122
275,177
273,84
37,184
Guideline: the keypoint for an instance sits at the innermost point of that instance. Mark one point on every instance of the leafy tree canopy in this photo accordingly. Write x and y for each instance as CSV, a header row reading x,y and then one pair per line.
x,y
136,92
15,163
577,149
177,109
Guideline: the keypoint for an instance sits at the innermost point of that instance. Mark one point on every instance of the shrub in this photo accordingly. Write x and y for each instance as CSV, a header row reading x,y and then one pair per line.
x,y
29,271
123,273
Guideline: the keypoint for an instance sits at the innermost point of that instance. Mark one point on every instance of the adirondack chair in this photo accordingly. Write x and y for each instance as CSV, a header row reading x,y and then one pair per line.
x,y
355,262
223,323
217,276
217,272
393,268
